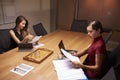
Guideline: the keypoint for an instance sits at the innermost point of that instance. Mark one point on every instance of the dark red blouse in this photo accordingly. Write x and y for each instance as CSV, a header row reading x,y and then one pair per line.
x,y
97,47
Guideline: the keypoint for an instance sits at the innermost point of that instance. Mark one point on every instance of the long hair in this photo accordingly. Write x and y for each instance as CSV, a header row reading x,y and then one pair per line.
x,y
19,19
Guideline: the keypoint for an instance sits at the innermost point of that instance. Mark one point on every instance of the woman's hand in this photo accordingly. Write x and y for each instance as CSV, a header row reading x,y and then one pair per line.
x,y
74,53
29,37
77,64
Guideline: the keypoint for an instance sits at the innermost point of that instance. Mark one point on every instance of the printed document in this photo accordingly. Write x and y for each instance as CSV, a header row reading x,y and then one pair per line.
x,y
69,56
66,71
35,39
22,69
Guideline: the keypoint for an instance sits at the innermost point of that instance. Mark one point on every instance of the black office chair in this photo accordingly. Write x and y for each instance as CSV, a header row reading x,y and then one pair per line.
x,y
115,59
112,61
39,29
108,36
79,25
5,41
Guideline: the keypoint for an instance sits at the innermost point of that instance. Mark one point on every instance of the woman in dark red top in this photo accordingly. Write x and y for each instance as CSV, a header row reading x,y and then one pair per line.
x,y
95,51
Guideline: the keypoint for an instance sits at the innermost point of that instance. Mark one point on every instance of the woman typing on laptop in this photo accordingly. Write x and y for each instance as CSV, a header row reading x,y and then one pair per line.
x,y
20,33
96,52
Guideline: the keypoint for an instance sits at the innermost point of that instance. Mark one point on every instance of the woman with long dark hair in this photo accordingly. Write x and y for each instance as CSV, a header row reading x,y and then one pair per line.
x,y
20,33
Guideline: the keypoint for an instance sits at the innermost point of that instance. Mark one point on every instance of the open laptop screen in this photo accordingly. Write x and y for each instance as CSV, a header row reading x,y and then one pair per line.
x,y
61,45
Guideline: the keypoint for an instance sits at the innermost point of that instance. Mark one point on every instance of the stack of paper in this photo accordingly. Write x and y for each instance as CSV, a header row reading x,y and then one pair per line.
x,y
66,71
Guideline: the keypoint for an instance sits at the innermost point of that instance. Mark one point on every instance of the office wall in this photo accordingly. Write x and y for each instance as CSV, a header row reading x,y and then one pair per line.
x,y
107,11
35,11
65,13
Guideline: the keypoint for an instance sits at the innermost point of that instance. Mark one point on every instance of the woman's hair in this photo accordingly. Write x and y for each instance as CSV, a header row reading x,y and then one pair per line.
x,y
96,25
19,19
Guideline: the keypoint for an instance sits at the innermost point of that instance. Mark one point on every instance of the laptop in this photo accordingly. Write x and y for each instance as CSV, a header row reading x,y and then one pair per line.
x,y
25,47
61,45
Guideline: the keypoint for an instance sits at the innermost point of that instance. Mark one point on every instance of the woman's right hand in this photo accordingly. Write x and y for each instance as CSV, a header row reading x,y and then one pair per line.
x,y
29,37
74,53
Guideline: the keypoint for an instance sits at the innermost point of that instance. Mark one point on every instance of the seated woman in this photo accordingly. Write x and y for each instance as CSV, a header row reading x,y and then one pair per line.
x,y
20,33
96,52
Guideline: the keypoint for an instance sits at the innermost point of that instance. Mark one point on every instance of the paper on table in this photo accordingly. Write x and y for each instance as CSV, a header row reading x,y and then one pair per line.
x,y
22,69
38,45
69,56
35,39
66,71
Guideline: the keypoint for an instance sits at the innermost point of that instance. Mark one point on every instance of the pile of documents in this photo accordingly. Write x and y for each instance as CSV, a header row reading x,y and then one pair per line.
x,y
65,69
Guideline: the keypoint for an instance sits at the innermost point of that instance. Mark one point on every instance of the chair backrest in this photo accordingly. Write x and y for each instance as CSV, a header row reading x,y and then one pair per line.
x,y
39,29
113,60
5,41
108,36
79,26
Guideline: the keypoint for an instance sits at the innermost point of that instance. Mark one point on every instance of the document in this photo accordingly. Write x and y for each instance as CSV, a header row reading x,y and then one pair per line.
x,y
69,56
38,45
22,69
66,71
35,39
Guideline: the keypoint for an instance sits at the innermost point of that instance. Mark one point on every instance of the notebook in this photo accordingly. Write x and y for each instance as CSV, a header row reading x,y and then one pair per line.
x,y
61,45
25,47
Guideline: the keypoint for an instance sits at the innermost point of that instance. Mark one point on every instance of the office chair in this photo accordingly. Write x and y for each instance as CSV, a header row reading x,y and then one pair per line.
x,y
5,40
112,61
108,36
115,59
39,29
79,25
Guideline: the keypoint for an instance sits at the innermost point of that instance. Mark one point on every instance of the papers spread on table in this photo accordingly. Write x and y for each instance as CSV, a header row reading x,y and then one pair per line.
x,y
69,56
22,69
66,71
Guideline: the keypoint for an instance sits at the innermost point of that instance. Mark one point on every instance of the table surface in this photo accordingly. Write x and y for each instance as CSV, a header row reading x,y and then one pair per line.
x,y
45,70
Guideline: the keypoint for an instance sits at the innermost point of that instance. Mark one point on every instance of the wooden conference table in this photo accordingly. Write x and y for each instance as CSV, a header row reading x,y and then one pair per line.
x,y
45,70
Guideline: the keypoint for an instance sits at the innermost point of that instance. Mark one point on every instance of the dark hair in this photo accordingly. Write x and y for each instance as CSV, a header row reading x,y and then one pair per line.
x,y
96,25
20,19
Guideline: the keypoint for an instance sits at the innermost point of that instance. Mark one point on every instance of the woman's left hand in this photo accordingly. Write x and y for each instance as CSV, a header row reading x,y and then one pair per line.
x,y
29,37
77,64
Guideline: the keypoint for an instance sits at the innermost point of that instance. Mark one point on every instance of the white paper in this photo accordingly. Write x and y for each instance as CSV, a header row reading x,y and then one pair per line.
x,y
66,71
38,45
35,39
69,56
22,69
